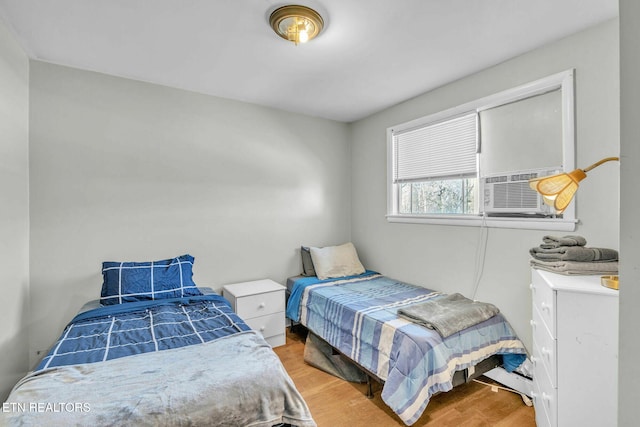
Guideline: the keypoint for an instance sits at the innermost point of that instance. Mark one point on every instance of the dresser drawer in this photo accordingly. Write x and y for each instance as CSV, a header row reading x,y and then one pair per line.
x,y
545,348
544,299
542,402
260,304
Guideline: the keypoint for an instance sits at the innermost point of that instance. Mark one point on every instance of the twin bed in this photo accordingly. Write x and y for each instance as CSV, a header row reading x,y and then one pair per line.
x,y
357,313
158,350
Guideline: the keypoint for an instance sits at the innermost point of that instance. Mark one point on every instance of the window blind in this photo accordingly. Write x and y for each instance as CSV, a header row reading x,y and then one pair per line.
x,y
437,151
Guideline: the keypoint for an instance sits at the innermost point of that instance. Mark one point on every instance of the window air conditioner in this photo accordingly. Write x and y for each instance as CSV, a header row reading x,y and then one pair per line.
x,y
509,193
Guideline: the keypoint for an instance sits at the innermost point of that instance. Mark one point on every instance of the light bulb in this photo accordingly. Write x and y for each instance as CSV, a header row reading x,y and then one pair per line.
x,y
303,36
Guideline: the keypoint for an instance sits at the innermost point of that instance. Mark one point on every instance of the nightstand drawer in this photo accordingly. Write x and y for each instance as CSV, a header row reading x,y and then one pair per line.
x,y
260,304
268,326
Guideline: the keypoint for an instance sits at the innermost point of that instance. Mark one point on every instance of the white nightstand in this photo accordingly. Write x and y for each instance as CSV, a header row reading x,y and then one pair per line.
x,y
261,304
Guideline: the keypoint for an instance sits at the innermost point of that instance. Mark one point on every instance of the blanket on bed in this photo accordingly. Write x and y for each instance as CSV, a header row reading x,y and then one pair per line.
x,y
235,380
120,330
449,314
358,316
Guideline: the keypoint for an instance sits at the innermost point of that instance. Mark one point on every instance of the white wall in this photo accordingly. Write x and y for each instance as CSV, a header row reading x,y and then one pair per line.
x,y
629,370
14,211
125,170
444,257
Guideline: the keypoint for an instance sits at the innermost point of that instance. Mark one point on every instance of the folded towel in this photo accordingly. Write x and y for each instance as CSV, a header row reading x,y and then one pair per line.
x,y
449,314
574,253
576,268
555,241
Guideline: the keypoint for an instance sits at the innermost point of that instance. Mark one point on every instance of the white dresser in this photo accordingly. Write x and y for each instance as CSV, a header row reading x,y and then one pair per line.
x,y
575,351
261,305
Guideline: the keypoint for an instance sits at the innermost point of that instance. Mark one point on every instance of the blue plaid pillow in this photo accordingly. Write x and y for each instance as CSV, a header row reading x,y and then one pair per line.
x,y
139,281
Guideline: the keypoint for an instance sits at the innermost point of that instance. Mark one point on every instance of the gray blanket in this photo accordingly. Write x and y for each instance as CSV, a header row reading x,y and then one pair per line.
x,y
234,381
574,253
576,268
449,314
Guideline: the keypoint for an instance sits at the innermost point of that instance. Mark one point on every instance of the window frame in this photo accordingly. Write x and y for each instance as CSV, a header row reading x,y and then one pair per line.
x,y
564,81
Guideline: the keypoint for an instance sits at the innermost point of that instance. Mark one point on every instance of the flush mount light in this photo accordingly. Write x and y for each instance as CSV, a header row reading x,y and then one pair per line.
x,y
298,24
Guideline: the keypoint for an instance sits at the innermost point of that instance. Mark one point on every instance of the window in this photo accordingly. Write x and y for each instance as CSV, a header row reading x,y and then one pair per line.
x,y
435,167
437,163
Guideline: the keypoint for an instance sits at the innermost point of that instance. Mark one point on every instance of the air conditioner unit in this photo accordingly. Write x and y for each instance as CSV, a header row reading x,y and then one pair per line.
x,y
509,192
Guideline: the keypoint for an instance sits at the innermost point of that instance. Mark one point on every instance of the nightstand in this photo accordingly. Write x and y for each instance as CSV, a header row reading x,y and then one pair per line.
x,y
260,303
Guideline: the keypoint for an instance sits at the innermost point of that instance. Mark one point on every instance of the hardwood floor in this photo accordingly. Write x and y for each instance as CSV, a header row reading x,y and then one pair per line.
x,y
336,403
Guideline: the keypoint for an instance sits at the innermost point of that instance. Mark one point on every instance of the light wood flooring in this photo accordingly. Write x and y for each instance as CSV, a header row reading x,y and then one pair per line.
x,y
336,403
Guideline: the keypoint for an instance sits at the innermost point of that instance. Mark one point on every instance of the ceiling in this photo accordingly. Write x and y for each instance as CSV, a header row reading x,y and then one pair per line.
x,y
372,53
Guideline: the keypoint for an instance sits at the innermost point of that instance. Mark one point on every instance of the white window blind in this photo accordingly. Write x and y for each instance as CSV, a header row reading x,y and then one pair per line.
x,y
437,151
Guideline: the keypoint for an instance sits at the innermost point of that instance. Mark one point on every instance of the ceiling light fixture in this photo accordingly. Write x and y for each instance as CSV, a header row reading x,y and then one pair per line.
x,y
295,23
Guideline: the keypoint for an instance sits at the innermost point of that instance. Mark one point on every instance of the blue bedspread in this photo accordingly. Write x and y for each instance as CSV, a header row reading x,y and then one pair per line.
x,y
149,373
120,330
358,316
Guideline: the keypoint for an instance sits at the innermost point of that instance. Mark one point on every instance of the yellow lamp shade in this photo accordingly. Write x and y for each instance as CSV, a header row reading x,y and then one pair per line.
x,y
558,190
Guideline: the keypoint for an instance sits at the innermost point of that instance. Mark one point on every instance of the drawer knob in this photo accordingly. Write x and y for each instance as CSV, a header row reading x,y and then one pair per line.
x,y
532,287
262,329
534,360
532,323
546,351
544,306
546,397
262,305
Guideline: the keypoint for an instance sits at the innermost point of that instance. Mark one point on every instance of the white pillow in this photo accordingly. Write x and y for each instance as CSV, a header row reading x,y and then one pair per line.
x,y
336,261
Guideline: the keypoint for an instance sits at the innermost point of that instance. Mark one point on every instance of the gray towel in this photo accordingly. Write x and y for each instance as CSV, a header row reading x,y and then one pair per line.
x,y
576,268
574,253
556,241
449,314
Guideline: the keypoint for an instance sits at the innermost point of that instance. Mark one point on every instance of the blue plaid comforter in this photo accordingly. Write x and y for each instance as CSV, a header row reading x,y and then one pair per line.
x,y
120,330
358,316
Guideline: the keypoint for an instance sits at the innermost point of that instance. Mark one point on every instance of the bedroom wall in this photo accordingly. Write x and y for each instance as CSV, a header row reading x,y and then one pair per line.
x,y
125,170
628,390
445,257
14,210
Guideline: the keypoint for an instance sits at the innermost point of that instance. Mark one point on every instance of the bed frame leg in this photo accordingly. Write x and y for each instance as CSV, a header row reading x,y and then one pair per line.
x,y
369,387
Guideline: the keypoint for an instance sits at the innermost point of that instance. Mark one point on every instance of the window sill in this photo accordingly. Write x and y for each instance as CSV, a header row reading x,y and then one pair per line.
x,y
555,224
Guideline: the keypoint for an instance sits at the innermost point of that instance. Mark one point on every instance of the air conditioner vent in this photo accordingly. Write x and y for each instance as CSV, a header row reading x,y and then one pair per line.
x,y
510,193
515,195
